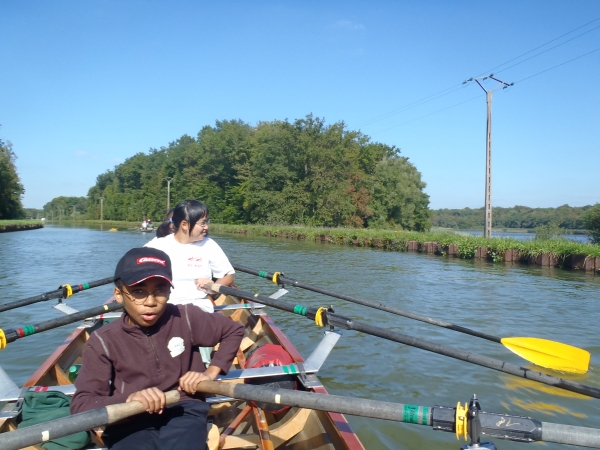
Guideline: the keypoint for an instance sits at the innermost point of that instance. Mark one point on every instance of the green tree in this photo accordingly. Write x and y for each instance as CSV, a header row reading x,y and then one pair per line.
x,y
67,208
398,197
33,213
591,223
278,172
11,188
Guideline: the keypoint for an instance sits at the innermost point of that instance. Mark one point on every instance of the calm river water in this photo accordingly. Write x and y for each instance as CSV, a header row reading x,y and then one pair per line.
x,y
494,298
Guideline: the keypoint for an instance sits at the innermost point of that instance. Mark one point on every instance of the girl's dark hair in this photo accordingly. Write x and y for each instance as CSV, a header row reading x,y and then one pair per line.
x,y
164,229
191,211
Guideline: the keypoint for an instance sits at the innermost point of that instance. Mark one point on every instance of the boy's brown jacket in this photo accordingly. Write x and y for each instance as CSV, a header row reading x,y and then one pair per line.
x,y
120,359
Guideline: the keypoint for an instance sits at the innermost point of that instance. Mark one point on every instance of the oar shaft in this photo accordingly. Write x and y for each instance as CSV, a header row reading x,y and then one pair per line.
x,y
54,429
58,293
376,305
375,409
15,333
398,412
491,363
351,324
570,435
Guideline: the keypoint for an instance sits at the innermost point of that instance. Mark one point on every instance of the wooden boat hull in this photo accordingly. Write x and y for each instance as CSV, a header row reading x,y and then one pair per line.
x,y
237,425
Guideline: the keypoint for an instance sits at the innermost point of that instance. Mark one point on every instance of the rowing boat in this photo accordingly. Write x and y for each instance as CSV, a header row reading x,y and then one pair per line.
x,y
233,424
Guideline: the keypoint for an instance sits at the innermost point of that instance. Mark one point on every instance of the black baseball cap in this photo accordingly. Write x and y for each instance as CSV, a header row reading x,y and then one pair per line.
x,y
139,264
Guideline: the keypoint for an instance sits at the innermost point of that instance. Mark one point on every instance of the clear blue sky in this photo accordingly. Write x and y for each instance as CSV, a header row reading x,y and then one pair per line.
x,y
85,85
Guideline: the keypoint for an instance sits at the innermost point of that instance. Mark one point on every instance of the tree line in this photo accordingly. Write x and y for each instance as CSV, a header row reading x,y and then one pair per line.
x,y
11,189
565,216
67,208
302,172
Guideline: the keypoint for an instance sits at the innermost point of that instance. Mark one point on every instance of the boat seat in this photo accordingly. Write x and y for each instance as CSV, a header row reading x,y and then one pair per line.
x,y
212,440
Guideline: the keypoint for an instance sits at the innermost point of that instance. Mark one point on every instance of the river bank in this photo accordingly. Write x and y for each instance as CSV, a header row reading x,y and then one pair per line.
x,y
19,225
560,253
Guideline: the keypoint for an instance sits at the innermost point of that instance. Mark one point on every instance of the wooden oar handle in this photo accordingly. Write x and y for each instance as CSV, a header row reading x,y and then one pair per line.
x,y
65,426
123,410
216,387
212,286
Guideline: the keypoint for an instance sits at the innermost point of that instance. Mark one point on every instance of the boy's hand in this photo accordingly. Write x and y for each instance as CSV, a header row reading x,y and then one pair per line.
x,y
189,382
201,282
153,399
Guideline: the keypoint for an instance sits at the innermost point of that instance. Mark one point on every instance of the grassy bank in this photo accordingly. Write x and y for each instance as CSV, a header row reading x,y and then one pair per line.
x,y
19,225
464,246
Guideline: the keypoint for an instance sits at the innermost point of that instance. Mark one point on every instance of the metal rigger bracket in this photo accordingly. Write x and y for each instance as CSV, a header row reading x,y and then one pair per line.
x,y
255,309
471,421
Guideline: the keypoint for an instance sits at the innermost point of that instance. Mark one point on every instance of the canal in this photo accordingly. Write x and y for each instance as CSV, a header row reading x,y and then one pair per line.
x,y
502,300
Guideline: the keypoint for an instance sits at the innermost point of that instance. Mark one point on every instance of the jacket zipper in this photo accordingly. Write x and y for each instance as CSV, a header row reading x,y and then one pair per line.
x,y
154,352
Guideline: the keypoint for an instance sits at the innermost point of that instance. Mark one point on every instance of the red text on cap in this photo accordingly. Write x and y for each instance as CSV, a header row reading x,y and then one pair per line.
x,y
149,259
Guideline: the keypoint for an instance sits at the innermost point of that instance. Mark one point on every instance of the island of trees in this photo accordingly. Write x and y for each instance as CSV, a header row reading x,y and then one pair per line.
x,y
303,172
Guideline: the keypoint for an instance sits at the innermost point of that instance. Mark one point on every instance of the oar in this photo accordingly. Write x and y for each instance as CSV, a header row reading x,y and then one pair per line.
x,y
322,317
64,291
542,352
12,334
439,417
65,426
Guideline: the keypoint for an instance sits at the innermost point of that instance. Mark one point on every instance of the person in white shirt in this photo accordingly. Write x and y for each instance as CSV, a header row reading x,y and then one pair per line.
x,y
196,259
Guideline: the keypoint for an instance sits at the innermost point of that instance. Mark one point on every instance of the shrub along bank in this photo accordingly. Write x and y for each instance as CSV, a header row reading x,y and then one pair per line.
x,y
551,252
19,225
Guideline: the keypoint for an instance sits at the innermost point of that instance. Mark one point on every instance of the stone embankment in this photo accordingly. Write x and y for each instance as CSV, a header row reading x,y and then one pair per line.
x,y
574,261
551,253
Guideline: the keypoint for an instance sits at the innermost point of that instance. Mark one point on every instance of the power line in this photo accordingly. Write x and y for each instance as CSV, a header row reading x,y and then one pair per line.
x,y
547,50
558,65
427,115
414,104
471,99
543,45
455,88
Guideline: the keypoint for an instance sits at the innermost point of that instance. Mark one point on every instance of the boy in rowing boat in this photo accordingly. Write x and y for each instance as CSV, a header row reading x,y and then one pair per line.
x,y
149,351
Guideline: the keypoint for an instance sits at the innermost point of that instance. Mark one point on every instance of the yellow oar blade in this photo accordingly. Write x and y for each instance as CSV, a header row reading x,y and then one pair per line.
x,y
550,354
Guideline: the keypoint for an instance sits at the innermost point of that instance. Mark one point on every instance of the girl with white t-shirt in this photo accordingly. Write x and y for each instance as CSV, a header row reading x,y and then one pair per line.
x,y
195,258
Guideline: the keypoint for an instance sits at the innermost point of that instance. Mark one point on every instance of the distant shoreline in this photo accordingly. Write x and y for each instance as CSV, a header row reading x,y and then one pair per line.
x,y
508,230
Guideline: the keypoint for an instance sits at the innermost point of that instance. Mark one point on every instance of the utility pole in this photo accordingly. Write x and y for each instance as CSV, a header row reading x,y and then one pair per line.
x,y
168,192
488,148
101,209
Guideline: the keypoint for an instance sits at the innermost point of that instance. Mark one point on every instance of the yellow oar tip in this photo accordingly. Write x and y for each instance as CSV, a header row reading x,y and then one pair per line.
x,y
550,354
